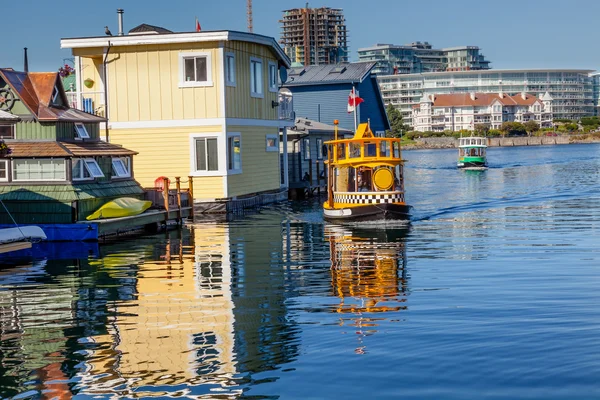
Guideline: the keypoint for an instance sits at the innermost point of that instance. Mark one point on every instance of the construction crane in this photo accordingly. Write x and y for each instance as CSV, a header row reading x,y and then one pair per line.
x,y
249,15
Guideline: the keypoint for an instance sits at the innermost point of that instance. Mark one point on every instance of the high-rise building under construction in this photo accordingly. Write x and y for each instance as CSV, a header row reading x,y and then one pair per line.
x,y
313,36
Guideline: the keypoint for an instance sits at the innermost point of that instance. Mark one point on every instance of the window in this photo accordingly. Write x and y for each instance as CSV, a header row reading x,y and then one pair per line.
x,y
121,167
319,149
55,94
207,157
4,170
7,131
234,153
272,77
273,143
41,169
195,69
87,168
230,69
80,131
306,148
256,78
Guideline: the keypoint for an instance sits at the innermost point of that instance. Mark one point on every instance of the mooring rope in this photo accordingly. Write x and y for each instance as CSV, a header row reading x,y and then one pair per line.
x,y
13,220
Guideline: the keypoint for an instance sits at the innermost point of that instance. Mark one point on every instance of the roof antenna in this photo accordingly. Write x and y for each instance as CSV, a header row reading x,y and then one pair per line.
x,y
25,61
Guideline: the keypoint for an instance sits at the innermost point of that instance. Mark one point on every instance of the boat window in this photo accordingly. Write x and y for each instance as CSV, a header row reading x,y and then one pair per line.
x,y
341,151
396,147
384,149
364,181
370,149
354,150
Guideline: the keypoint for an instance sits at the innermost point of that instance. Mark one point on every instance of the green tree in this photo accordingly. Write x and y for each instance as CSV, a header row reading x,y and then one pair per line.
x,y
397,126
512,128
531,127
481,129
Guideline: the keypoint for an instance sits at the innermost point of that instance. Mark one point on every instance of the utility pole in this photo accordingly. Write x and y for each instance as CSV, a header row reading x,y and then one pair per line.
x,y
249,15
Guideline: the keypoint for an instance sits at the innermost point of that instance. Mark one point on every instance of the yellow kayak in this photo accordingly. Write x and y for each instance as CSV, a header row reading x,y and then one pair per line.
x,y
123,207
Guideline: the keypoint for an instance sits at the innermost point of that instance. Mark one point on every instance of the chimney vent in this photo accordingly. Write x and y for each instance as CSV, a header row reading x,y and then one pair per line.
x,y
25,61
120,13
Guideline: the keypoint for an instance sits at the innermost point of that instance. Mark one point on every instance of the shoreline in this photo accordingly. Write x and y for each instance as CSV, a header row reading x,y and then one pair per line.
x,y
451,143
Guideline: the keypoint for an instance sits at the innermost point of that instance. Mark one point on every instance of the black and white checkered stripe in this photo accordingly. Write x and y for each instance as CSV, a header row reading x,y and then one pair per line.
x,y
367,198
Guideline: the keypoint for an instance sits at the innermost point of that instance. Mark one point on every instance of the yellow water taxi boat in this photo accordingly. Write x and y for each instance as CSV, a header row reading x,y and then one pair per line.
x,y
365,178
123,207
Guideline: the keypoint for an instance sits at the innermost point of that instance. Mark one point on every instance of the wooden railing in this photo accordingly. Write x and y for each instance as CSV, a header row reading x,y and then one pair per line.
x,y
162,196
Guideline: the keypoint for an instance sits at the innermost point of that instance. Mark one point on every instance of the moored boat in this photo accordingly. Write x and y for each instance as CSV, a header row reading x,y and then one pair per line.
x,y
472,153
365,178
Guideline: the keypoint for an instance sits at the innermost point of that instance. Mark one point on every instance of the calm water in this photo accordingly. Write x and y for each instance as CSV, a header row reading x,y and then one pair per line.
x,y
492,292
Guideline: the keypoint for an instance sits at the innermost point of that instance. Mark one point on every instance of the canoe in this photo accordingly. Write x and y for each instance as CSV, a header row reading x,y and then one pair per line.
x,y
123,207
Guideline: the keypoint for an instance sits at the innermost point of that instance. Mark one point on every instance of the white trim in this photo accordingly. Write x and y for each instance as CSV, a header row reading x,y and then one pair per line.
x,y
14,165
233,82
196,54
179,123
222,156
272,89
260,94
93,162
5,162
127,168
187,37
222,111
238,170
82,165
78,135
274,148
78,81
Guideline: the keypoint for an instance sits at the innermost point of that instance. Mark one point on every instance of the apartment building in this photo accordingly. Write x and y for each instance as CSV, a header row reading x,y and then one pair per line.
x,y
418,57
572,90
314,36
465,110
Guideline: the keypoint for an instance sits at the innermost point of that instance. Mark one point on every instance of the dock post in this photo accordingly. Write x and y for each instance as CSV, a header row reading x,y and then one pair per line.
x,y
191,195
166,198
310,180
178,186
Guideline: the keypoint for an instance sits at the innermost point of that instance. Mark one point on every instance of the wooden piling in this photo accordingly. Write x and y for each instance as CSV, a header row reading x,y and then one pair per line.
x,y
166,198
318,180
178,187
191,195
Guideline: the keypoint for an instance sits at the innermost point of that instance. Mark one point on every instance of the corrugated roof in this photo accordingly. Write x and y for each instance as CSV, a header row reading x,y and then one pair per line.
x,y
35,90
66,149
329,74
305,126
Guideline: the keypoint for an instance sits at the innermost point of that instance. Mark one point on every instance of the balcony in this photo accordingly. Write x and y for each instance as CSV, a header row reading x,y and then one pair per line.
x,y
90,102
286,107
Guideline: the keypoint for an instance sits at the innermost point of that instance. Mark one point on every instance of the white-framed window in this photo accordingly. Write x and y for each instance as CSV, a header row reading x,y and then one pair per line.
x,y
206,154
3,170
80,131
234,152
230,69
85,169
319,149
195,69
306,148
272,142
256,77
39,169
7,130
272,77
121,167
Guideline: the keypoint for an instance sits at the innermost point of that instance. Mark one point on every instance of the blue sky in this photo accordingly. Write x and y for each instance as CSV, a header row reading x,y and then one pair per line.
x,y
512,33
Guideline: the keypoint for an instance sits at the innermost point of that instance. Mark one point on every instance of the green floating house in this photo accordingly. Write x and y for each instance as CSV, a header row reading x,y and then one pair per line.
x,y
54,169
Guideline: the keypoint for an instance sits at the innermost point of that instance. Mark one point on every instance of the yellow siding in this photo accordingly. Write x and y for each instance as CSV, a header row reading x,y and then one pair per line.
x,y
239,103
166,152
144,84
260,169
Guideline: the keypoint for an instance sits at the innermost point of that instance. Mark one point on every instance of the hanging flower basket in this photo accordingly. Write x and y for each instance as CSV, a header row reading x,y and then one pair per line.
x,y
88,83
66,70
4,149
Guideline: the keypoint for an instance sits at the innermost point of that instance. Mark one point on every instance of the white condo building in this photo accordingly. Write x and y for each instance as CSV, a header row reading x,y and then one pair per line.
x,y
574,91
465,110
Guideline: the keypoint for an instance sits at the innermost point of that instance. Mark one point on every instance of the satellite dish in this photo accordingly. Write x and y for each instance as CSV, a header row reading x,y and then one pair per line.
x,y
283,74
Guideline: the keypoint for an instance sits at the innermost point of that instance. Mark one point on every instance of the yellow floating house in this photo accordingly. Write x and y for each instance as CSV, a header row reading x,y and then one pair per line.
x,y
201,104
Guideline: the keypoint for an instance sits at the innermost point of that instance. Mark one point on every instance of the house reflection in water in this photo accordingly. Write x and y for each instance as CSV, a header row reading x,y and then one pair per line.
x,y
368,274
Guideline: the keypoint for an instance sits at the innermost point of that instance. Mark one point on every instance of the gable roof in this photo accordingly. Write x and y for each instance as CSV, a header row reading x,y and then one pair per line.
x,y
151,38
66,149
35,89
482,99
147,28
329,74
5,116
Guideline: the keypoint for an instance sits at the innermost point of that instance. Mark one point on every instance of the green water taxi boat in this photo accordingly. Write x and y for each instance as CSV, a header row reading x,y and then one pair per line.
x,y
472,153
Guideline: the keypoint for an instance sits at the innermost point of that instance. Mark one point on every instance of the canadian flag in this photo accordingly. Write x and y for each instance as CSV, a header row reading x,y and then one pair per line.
x,y
353,101
198,29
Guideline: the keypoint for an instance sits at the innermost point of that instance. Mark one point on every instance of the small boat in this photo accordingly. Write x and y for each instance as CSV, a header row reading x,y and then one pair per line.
x,y
123,207
365,178
20,238
472,153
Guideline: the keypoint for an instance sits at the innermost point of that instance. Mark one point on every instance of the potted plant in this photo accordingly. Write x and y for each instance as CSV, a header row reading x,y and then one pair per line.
x,y
4,149
88,83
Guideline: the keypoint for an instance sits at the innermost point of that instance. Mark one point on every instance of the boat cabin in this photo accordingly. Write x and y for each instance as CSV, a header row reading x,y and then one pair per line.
x,y
472,147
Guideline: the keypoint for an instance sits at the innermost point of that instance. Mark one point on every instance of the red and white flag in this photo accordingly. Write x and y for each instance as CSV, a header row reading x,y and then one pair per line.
x,y
198,29
353,101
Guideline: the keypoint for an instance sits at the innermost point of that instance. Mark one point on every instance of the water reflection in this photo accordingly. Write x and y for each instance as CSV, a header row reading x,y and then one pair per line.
x,y
368,275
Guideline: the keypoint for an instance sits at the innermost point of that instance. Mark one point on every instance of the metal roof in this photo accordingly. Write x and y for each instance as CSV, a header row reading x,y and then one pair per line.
x,y
65,149
69,192
307,126
329,74
5,116
147,28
